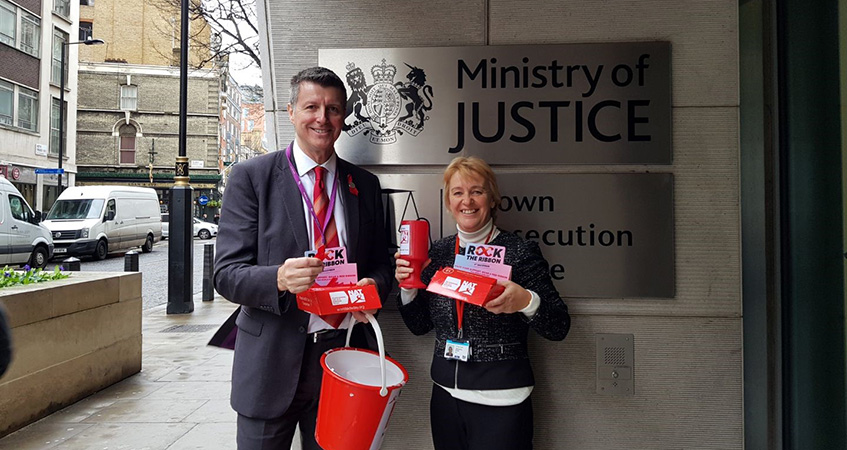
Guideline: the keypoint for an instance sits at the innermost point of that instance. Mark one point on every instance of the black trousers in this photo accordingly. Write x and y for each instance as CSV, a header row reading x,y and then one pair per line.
x,y
459,425
278,433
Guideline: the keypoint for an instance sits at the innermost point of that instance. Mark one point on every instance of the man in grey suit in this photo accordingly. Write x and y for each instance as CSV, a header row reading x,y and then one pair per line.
x,y
267,224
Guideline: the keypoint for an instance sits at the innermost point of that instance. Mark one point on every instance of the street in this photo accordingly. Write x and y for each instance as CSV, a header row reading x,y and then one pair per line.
x,y
154,269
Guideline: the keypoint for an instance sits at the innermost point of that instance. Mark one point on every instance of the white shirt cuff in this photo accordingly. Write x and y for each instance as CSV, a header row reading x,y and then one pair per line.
x,y
407,295
532,307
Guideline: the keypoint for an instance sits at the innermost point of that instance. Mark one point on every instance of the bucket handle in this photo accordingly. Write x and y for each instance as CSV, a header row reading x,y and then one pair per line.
x,y
372,320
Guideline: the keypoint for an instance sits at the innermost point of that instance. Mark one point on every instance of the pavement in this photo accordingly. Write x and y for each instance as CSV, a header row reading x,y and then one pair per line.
x,y
179,400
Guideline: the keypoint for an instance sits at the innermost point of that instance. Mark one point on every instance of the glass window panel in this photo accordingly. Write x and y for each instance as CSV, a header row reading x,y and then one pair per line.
x,y
127,156
7,103
127,144
62,7
8,23
27,109
30,34
54,126
129,98
86,31
16,204
59,39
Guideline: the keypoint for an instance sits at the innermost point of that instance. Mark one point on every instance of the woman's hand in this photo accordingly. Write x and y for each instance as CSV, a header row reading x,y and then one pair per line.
x,y
513,299
404,268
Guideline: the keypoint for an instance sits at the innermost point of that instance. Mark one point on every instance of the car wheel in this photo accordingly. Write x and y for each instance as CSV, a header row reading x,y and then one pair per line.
x,y
148,244
204,234
38,258
101,250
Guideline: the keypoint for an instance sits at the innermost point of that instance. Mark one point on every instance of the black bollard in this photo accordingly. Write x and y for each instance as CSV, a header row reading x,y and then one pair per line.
x,y
71,264
131,261
208,270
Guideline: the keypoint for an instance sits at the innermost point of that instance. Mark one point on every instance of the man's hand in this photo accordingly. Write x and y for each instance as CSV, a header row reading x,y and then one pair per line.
x,y
513,299
298,274
360,315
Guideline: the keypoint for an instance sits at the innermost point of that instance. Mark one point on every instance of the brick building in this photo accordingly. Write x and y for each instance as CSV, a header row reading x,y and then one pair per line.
x,y
230,121
128,126
128,116
32,33
253,125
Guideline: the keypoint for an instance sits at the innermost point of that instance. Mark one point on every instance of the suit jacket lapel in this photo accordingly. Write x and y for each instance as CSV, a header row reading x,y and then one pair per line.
x,y
351,210
285,189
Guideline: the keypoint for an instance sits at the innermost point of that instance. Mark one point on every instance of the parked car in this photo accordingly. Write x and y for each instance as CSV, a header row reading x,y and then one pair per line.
x,y
23,240
203,230
96,220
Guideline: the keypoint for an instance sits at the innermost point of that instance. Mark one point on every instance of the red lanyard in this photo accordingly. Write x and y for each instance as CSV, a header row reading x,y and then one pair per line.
x,y
460,305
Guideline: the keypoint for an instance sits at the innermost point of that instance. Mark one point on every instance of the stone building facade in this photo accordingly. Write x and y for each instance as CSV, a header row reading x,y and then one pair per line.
x,y
128,126
129,102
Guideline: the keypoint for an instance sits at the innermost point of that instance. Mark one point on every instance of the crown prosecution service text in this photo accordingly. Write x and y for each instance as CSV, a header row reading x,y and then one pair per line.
x,y
580,236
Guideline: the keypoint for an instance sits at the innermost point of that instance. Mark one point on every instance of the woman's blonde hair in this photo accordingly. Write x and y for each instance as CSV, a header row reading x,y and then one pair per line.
x,y
469,166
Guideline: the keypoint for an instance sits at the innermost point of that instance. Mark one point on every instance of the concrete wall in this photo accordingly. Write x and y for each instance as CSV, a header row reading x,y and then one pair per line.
x,y
70,338
688,350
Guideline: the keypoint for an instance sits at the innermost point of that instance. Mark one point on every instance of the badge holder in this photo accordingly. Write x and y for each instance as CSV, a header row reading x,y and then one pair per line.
x,y
458,350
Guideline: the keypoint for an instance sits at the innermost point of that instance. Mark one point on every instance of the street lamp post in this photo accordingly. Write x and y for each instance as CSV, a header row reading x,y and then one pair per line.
x,y
62,102
181,236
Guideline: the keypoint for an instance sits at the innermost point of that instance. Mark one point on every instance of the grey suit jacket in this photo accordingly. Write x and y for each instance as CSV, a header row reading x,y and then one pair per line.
x,y
262,224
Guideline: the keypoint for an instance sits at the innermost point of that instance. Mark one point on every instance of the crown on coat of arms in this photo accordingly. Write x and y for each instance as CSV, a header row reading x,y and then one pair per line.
x,y
384,73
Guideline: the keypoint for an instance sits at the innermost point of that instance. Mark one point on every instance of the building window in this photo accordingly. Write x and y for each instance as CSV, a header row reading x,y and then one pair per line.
x,y
129,97
18,106
59,40
30,32
27,109
7,103
54,125
8,23
19,28
62,7
86,2
86,30
127,144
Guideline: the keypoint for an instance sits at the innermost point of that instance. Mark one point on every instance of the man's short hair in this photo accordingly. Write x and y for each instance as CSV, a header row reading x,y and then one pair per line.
x,y
319,75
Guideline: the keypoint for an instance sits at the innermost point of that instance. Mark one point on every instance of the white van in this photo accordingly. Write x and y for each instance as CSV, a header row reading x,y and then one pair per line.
x,y
96,220
22,239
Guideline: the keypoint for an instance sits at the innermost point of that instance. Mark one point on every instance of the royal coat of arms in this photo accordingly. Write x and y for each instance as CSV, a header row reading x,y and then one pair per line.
x,y
384,109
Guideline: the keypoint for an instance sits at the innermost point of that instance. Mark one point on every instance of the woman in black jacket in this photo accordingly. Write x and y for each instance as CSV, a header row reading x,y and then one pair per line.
x,y
482,385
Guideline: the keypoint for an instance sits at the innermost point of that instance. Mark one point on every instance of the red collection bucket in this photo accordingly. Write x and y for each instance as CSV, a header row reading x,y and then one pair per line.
x,y
358,394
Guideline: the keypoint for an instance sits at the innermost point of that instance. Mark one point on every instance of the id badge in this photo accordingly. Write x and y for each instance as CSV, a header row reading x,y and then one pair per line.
x,y
457,350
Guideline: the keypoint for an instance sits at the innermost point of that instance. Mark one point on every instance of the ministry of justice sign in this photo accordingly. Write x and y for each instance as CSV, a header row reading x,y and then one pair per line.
x,y
604,235
604,103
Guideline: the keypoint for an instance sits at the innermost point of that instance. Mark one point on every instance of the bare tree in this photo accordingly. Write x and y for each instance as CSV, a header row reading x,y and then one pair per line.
x,y
233,23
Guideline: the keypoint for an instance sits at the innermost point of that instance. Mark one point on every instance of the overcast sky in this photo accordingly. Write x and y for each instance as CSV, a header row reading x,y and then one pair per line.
x,y
244,76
